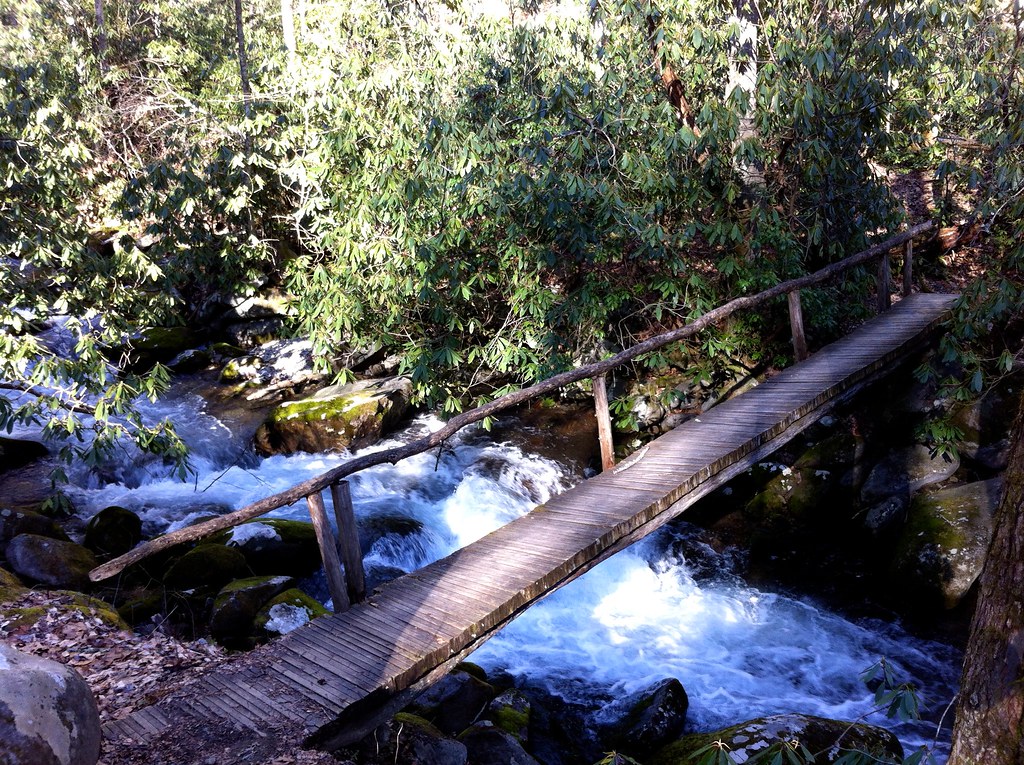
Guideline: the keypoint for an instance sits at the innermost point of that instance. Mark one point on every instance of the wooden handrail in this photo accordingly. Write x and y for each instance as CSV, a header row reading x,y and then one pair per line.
x,y
318,483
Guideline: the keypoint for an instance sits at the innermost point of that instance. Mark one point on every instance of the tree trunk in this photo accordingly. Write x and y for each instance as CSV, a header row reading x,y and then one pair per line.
x,y
743,78
288,33
989,724
243,61
101,38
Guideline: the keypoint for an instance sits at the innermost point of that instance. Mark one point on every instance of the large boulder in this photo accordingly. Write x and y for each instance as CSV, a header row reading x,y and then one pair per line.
x,y
154,345
790,501
648,720
827,739
336,417
10,586
14,522
52,562
236,605
453,702
942,548
274,546
278,364
511,712
903,472
16,452
113,531
48,715
410,740
487,743
209,566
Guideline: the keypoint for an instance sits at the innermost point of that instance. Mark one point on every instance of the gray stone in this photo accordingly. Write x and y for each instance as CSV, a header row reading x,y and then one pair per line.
x,y
113,531
15,522
274,546
17,452
942,548
236,605
207,566
336,417
453,702
511,712
52,562
487,743
411,740
279,363
886,515
48,715
649,719
904,472
829,739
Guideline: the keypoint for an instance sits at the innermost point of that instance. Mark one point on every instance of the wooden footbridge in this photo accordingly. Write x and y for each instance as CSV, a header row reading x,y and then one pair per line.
x,y
330,682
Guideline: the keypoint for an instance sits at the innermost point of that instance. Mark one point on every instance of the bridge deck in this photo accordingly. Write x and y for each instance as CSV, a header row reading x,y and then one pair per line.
x,y
332,679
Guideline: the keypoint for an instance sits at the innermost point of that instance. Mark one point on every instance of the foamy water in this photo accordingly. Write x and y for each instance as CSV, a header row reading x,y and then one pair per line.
x,y
641,616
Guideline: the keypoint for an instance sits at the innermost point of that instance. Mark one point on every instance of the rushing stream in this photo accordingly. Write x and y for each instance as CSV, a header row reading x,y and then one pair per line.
x,y
669,606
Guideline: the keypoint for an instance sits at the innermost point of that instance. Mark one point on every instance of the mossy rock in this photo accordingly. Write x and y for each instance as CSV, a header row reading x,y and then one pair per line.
x,y
51,562
486,742
144,606
791,501
411,740
113,531
337,417
941,550
288,611
650,719
17,618
274,546
836,452
10,586
154,345
827,739
209,566
453,702
511,712
237,604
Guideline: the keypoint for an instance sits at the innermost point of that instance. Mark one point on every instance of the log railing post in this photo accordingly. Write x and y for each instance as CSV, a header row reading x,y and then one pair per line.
x,y
604,422
884,283
328,552
796,323
348,541
908,267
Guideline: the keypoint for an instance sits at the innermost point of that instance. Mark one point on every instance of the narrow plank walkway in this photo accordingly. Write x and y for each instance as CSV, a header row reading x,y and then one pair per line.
x,y
331,681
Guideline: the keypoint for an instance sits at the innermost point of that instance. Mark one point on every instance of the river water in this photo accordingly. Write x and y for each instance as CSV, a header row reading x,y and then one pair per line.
x,y
668,606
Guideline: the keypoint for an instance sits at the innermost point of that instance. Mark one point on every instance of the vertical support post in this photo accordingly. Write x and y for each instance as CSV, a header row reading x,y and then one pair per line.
x,y
908,267
796,323
328,552
883,283
348,541
604,423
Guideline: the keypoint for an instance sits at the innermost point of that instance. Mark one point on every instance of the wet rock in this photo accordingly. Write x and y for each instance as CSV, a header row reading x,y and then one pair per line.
x,y
942,548
52,562
47,713
208,566
190,361
411,740
337,417
904,472
790,500
831,738
288,611
154,345
511,712
836,452
453,702
487,743
279,363
888,515
374,528
16,452
274,546
250,334
113,531
236,605
648,720
15,522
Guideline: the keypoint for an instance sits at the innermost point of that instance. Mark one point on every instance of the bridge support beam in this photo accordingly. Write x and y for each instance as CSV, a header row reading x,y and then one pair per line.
x,y
604,422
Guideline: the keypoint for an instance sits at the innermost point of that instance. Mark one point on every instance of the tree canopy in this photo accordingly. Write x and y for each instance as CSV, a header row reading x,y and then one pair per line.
x,y
492,192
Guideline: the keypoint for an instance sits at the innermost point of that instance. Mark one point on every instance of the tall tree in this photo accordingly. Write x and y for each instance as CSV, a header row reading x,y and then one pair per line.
x,y
288,33
101,38
990,714
243,60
